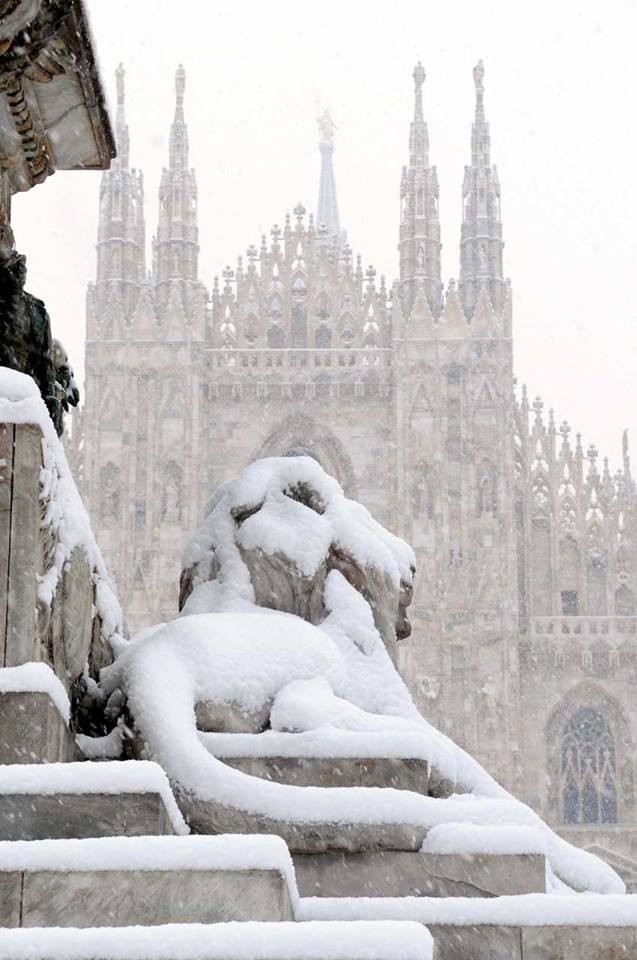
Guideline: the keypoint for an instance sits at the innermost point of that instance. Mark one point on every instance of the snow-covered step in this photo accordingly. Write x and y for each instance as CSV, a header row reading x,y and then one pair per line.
x,y
396,873
350,759
34,717
303,836
75,800
130,881
530,927
225,941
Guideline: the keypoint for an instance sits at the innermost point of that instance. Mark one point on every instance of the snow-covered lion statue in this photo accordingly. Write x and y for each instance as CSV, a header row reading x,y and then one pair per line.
x,y
292,601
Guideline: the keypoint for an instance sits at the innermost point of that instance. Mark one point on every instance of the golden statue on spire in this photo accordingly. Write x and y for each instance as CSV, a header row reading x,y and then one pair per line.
x,y
326,125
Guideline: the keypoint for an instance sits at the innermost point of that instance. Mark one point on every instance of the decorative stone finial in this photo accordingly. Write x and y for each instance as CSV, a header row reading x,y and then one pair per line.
x,y
180,82
119,79
419,79
478,77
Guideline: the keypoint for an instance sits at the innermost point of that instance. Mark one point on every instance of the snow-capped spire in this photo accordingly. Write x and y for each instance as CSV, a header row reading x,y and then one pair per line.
x,y
481,235
121,232
176,247
327,212
419,243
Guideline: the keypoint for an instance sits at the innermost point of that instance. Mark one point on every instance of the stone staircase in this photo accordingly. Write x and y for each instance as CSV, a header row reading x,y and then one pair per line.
x,y
99,849
92,853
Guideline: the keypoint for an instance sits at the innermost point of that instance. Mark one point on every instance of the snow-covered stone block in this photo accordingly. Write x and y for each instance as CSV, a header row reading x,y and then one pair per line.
x,y
300,834
338,771
129,881
32,730
579,943
485,942
395,873
76,800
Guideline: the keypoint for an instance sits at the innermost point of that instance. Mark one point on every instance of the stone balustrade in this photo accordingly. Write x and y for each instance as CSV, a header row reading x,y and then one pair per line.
x,y
300,360
588,628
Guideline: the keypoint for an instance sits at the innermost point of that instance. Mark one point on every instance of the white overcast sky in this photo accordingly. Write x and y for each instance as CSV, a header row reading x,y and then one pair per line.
x,y
561,83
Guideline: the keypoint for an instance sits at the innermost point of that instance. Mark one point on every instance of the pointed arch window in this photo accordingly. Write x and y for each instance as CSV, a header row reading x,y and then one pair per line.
x,y
323,336
276,336
589,785
624,601
420,202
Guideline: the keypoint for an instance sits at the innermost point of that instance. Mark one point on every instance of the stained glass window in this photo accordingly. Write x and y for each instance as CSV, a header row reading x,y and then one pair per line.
x,y
588,769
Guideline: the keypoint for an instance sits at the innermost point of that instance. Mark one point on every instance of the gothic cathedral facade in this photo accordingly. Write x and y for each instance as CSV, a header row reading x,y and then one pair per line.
x,y
524,642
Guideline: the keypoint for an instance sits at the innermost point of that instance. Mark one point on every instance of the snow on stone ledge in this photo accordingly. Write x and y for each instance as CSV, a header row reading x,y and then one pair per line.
x,y
35,677
195,852
21,403
325,742
469,838
126,776
530,909
224,941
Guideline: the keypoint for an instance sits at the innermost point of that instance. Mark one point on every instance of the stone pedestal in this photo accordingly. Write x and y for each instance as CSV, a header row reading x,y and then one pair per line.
x,y
66,815
33,731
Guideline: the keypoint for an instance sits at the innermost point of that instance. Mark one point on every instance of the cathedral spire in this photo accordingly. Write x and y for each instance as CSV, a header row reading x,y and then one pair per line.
x,y
327,212
121,233
418,134
481,234
121,127
419,238
176,246
178,150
